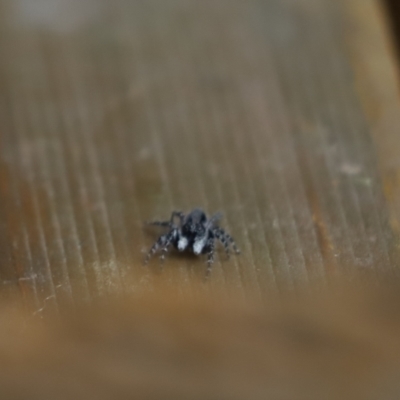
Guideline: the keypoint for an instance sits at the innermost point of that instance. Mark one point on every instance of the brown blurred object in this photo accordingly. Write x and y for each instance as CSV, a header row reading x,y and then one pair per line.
x,y
341,343
393,12
282,114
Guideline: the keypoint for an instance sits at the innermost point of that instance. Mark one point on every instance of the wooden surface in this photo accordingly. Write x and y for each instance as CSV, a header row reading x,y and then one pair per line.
x,y
284,115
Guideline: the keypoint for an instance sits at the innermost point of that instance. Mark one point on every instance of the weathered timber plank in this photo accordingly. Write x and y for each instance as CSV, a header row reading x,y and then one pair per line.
x,y
274,112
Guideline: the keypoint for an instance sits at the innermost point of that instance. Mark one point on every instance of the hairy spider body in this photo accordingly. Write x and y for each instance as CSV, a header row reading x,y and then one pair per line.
x,y
192,232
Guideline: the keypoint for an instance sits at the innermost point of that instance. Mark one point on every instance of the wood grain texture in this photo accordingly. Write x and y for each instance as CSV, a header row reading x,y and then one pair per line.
x,y
116,112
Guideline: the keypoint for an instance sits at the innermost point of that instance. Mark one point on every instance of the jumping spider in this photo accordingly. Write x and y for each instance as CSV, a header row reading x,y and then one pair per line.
x,y
192,232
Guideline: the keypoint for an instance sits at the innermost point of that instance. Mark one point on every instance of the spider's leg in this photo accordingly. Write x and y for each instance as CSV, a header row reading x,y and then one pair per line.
x,y
170,223
167,242
162,243
210,255
228,238
214,219
178,214
165,224
156,246
222,238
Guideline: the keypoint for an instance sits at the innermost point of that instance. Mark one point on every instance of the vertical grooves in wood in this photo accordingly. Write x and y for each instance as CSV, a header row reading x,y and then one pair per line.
x,y
248,108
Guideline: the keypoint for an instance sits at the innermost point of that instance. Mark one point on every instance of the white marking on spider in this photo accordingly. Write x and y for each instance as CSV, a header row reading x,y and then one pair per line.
x,y
182,243
199,244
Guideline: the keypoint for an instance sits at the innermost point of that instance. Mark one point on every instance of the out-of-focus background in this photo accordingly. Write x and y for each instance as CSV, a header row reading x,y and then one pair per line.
x,y
282,114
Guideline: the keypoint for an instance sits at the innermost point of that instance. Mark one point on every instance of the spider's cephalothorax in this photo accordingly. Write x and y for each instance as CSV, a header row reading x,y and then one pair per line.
x,y
192,232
